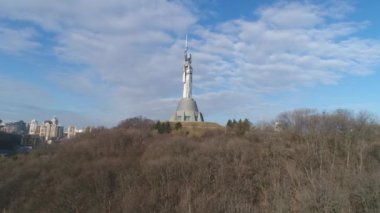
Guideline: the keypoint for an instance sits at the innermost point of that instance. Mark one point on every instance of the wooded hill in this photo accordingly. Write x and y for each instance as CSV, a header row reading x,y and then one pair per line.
x,y
317,162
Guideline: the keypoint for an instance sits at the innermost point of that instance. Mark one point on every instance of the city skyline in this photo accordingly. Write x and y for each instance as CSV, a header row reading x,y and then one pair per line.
x,y
94,63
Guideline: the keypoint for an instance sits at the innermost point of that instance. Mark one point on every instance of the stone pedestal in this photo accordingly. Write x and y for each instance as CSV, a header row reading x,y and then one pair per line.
x,y
187,111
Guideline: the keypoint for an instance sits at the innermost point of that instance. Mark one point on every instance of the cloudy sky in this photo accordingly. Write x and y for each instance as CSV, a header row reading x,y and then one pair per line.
x,y
96,62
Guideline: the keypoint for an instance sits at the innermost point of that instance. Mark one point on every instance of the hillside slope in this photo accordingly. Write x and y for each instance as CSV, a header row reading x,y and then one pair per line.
x,y
127,169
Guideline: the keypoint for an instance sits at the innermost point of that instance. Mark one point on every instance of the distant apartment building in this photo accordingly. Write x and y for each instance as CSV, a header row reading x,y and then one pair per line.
x,y
50,129
2,125
33,127
71,132
45,129
54,128
60,132
18,128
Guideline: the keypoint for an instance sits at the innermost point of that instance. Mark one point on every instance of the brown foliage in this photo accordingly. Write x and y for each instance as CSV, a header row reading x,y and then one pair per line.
x,y
330,163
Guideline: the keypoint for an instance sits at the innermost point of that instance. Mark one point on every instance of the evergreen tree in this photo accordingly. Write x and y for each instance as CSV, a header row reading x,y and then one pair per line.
x,y
246,124
167,127
229,124
178,126
239,127
160,127
157,125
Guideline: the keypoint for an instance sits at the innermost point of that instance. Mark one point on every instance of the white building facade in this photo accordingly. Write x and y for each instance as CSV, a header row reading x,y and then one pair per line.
x,y
33,127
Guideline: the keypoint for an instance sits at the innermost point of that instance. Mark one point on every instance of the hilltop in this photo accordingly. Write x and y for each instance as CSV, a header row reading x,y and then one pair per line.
x,y
316,163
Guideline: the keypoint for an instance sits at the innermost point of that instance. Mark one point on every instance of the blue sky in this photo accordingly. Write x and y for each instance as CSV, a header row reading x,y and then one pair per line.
x,y
93,62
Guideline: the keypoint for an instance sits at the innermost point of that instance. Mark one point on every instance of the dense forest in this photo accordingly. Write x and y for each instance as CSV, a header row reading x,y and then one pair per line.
x,y
316,162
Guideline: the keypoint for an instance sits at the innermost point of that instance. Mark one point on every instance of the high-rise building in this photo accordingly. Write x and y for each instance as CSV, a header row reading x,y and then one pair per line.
x,y
187,109
45,130
33,127
51,130
71,131
18,127
54,128
60,132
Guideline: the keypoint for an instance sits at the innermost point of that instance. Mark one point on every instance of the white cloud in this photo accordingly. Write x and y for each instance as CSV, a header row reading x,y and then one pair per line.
x,y
291,15
134,49
16,41
267,53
